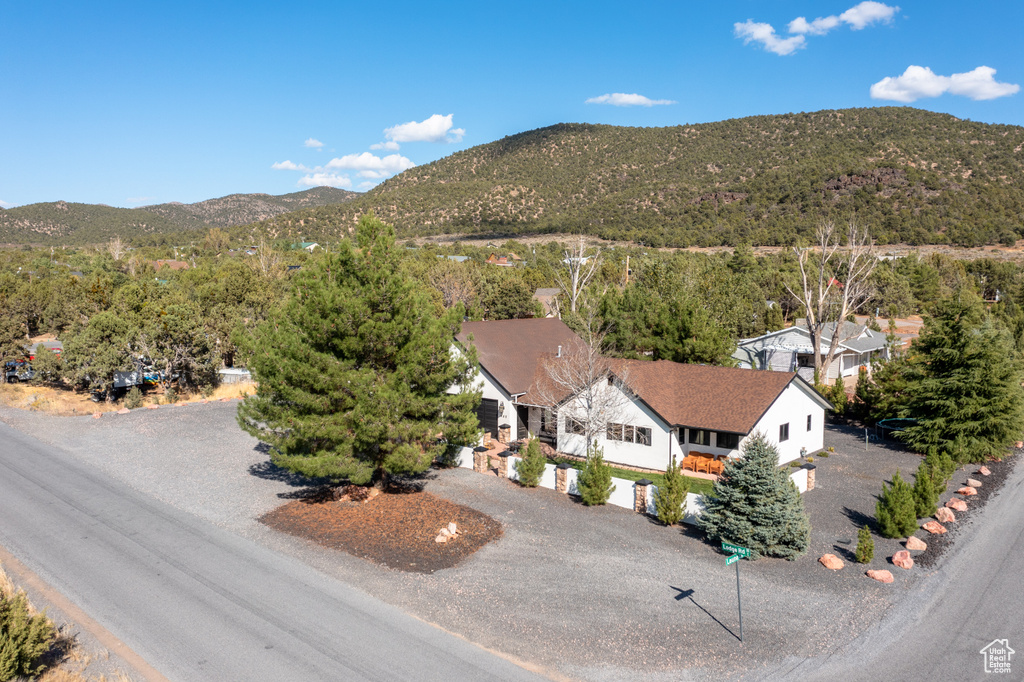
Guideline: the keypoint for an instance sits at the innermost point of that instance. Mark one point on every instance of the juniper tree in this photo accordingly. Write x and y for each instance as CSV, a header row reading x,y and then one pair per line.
x,y
595,479
942,467
967,397
895,510
926,498
865,546
531,467
670,501
353,371
756,505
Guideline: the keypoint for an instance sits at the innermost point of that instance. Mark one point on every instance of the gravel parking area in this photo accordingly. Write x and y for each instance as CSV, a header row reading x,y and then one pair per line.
x,y
593,593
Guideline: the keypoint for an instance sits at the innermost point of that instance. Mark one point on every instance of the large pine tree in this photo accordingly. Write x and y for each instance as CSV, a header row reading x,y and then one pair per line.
x,y
353,370
966,376
757,506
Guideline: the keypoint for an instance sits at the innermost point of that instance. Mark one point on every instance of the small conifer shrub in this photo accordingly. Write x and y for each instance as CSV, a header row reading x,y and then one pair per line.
x,y
133,400
925,496
895,511
865,546
531,467
595,479
24,637
670,501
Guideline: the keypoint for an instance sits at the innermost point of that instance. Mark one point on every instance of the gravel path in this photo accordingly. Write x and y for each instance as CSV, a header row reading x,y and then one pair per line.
x,y
593,593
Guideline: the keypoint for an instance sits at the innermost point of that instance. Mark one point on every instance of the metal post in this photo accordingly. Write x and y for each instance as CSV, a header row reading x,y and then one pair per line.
x,y
739,602
865,439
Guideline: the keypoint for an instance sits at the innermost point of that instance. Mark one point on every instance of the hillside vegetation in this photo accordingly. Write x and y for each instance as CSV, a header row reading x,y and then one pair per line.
x,y
63,222
914,176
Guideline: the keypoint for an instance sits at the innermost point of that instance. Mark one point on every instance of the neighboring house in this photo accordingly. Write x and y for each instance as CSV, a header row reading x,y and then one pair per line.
x,y
55,347
457,259
305,246
673,409
546,298
172,264
505,261
664,408
790,350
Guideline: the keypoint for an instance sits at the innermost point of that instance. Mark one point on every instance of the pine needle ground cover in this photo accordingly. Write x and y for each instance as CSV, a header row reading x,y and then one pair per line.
x,y
396,530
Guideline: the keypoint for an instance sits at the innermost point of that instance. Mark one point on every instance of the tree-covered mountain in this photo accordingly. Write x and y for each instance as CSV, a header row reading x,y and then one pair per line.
x,y
71,223
913,176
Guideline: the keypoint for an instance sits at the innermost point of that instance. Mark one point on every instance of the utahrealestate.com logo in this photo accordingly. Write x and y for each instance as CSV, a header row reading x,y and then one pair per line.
x,y
997,655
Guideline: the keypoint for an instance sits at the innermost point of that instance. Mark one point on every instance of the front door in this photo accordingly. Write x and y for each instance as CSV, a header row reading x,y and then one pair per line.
x,y
487,414
522,418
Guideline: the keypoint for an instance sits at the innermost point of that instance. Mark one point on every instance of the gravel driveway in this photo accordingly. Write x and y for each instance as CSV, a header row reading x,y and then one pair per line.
x,y
593,593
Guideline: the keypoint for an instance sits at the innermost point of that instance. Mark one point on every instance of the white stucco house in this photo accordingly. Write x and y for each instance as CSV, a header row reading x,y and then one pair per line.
x,y
653,410
790,350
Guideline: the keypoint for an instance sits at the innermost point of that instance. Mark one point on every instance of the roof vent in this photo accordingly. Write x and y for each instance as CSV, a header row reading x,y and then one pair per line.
x,y
559,351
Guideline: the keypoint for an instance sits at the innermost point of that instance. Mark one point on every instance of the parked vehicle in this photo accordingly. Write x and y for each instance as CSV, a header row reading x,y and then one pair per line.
x,y
18,370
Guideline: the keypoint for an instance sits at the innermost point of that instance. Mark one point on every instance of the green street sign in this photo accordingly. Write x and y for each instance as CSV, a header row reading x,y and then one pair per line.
x,y
736,549
731,559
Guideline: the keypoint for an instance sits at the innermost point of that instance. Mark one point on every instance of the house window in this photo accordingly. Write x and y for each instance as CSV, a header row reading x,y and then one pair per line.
x,y
808,422
784,432
626,433
700,437
730,441
575,426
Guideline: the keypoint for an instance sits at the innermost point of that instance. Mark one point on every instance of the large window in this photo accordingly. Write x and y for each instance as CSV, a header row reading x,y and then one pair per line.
x,y
641,435
575,426
784,432
727,440
700,437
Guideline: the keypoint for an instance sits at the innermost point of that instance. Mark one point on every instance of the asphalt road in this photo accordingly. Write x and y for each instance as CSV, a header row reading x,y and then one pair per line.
x,y
200,603
939,629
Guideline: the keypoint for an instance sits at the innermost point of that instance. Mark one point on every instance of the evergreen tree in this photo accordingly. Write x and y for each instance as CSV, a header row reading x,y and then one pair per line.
x,y
967,396
12,343
925,496
353,370
595,479
756,505
670,501
531,467
895,511
837,396
865,546
942,467
886,394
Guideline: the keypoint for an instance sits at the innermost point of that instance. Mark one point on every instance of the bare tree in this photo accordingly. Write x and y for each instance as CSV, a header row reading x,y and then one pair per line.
x,y
580,266
455,282
267,262
117,248
834,283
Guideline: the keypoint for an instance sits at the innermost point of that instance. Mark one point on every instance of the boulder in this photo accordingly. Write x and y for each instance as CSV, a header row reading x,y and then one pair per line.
x,y
152,407
967,491
881,576
831,562
945,515
446,533
973,482
97,415
123,410
441,539
1019,444
453,529
984,471
934,527
902,559
915,543
957,504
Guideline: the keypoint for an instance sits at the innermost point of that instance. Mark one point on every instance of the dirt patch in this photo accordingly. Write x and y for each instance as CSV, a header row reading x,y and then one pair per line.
x,y
397,530
937,544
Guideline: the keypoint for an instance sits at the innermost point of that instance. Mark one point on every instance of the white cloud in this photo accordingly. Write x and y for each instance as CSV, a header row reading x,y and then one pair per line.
x,y
752,31
818,27
313,143
390,164
390,146
620,99
918,82
325,180
288,165
4,204
867,13
437,128
367,185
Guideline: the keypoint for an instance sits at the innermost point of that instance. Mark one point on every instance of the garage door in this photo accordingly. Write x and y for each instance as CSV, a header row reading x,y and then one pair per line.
x,y
487,413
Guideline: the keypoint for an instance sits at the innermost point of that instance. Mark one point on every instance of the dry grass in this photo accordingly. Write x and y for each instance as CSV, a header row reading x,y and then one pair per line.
x,y
64,402
67,660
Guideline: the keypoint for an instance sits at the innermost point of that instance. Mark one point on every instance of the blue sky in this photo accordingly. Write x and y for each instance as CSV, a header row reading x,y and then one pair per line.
x,y
137,103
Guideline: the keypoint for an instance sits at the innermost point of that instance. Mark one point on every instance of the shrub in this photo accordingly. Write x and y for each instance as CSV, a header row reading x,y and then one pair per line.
x,y
925,496
531,467
838,396
133,400
24,637
670,501
895,510
171,396
865,546
595,479
942,467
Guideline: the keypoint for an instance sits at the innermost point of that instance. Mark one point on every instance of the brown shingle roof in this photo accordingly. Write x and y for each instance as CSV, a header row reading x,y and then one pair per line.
x,y
511,350
702,396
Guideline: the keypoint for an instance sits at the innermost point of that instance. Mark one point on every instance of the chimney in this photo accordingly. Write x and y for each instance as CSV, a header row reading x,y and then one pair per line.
x,y
559,352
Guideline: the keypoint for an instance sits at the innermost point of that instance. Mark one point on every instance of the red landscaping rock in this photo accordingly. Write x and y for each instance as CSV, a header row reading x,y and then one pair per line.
x,y
957,504
97,415
1019,444
967,491
984,471
123,410
831,562
934,527
881,576
915,543
973,482
152,407
945,515
902,559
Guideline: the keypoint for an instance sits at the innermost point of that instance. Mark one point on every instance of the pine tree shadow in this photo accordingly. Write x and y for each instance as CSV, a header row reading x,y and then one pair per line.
x,y
860,519
688,595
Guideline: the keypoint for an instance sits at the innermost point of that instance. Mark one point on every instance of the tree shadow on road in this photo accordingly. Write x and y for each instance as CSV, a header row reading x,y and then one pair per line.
x,y
688,595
